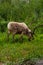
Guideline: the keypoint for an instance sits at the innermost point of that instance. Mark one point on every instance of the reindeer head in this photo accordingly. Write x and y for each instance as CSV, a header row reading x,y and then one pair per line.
x,y
32,33
29,33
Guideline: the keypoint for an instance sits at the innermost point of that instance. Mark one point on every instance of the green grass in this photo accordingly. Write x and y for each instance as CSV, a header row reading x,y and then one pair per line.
x,y
20,50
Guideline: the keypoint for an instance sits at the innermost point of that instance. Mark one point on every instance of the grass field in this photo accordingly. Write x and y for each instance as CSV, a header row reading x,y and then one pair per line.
x,y
20,50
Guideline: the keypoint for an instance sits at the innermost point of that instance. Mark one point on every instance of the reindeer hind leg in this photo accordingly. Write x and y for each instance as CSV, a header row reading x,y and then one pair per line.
x,y
8,33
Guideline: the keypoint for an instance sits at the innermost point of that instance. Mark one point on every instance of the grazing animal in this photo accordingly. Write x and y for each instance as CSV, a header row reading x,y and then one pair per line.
x,y
19,28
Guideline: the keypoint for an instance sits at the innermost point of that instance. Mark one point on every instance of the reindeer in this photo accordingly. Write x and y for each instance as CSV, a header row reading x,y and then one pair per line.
x,y
20,28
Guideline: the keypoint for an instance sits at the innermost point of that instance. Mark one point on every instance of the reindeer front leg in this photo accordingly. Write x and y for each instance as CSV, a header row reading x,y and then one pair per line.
x,y
13,35
21,35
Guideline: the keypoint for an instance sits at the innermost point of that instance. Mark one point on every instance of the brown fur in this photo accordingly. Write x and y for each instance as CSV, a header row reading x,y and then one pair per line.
x,y
18,28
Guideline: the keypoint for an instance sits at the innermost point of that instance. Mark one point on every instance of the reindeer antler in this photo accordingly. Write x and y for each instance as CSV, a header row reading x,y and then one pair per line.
x,y
41,25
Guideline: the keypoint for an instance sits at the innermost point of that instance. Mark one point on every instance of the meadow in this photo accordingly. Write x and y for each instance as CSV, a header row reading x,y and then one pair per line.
x,y
31,14
19,50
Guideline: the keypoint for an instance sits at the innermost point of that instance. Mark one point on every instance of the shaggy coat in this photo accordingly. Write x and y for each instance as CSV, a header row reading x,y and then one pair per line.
x,y
18,28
